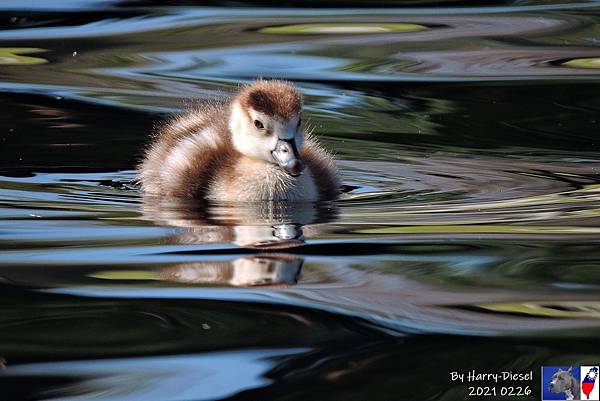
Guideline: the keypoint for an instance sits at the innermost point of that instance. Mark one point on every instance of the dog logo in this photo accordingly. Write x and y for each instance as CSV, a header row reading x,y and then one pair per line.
x,y
560,383
589,383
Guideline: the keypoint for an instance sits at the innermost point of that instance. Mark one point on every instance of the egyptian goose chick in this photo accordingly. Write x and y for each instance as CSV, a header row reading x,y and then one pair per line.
x,y
250,148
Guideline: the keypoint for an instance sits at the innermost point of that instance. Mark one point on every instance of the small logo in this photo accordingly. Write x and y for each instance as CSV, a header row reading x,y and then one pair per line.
x,y
560,383
589,383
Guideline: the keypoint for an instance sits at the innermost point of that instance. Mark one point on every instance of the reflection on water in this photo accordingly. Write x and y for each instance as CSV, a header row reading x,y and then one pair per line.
x,y
268,270
158,377
265,225
466,135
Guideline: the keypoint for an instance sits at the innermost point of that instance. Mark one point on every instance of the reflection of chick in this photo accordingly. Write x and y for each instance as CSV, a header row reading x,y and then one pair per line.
x,y
255,270
252,148
263,237
265,225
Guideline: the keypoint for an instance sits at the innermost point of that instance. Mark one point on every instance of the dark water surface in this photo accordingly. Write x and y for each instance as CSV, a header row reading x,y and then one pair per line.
x,y
467,238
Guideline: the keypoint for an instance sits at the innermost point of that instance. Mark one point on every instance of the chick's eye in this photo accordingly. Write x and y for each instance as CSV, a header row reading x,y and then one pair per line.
x,y
258,124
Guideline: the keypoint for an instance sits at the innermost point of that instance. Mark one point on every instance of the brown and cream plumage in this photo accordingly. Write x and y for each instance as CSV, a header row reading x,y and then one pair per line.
x,y
250,148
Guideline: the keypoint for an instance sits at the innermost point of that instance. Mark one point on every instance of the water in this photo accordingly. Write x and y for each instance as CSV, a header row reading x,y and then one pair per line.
x,y
467,236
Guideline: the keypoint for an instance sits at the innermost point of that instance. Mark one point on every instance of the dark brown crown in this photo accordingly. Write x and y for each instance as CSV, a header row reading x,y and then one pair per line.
x,y
274,98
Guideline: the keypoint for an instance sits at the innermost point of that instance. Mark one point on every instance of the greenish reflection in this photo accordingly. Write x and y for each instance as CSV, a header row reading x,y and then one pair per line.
x,y
343,28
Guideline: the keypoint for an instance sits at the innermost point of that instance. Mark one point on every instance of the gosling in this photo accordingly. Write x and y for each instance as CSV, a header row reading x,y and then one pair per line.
x,y
250,148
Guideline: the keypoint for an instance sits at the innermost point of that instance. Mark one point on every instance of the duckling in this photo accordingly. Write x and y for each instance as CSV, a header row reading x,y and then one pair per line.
x,y
250,148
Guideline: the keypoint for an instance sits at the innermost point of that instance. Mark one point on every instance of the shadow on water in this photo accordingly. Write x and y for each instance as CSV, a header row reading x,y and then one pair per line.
x,y
466,135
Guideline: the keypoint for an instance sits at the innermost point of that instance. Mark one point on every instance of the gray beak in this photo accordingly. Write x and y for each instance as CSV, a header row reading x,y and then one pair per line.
x,y
287,156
